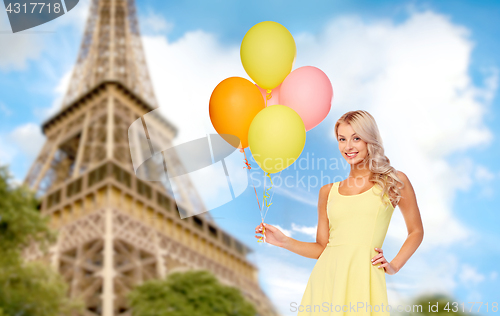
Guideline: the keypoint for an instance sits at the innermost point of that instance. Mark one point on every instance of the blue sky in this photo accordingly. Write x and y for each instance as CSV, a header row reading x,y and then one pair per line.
x,y
427,71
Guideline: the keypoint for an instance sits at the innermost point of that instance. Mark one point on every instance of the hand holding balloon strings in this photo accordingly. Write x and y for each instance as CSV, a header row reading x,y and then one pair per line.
x,y
265,193
264,200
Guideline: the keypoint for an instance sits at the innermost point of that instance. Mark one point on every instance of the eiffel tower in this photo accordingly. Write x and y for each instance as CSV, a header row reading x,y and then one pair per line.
x,y
116,230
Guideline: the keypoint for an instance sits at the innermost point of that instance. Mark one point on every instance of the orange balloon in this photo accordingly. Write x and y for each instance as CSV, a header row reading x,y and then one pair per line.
x,y
233,105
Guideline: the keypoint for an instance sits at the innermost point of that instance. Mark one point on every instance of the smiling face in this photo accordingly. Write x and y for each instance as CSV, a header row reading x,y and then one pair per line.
x,y
351,143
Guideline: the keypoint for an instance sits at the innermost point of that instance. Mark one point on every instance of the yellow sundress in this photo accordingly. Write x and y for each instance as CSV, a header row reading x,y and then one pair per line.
x,y
343,280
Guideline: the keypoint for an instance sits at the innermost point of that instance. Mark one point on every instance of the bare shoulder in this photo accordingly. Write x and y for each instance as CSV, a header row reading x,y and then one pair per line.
x,y
407,192
323,199
404,178
325,189
323,193
409,206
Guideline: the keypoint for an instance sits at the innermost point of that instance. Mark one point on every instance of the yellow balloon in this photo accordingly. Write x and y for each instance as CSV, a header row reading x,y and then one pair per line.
x,y
276,137
267,53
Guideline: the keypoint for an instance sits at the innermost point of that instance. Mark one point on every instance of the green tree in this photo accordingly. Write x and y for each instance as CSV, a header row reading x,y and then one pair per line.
x,y
27,288
191,293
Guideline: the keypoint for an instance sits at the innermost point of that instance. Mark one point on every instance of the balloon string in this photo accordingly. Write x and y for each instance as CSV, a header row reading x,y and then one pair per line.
x,y
261,238
246,161
263,234
249,167
271,199
268,95
266,196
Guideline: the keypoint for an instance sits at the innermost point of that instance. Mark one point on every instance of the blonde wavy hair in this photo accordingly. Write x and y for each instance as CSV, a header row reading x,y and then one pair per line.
x,y
382,173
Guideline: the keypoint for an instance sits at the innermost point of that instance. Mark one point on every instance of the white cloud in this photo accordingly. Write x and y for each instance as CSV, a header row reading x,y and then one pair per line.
x,y
284,281
469,275
306,230
287,232
59,93
153,22
483,178
184,75
297,194
28,139
5,110
30,44
493,275
17,49
24,141
414,80
491,84
419,275
7,151
474,296
483,174
76,19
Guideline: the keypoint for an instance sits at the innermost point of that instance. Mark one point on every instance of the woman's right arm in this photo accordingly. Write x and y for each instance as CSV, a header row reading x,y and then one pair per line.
x,y
314,249
307,249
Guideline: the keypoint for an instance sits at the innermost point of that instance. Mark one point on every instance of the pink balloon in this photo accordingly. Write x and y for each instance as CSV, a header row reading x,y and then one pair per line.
x,y
275,95
309,92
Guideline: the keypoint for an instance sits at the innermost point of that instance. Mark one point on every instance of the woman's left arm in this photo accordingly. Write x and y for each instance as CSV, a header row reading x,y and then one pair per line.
x,y
409,208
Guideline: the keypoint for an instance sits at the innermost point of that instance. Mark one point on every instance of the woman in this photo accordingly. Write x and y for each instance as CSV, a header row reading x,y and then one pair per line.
x,y
353,218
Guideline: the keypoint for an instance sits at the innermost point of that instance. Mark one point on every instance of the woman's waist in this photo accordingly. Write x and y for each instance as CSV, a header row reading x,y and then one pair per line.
x,y
353,244
368,237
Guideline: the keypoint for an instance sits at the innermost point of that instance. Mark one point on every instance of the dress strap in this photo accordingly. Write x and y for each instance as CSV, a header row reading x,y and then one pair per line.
x,y
331,192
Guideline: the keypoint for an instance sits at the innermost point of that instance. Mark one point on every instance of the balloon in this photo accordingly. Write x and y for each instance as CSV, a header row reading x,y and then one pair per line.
x,y
233,105
309,92
267,53
275,95
276,137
